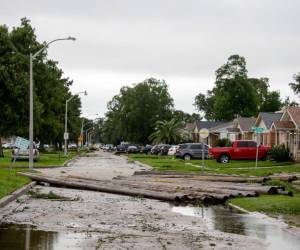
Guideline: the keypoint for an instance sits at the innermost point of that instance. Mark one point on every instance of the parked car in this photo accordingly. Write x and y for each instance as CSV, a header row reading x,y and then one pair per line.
x,y
121,148
161,149
72,146
173,149
242,149
108,147
132,149
20,154
188,151
146,149
8,145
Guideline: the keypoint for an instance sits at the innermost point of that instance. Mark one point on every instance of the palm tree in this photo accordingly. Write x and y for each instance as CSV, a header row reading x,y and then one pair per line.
x,y
167,132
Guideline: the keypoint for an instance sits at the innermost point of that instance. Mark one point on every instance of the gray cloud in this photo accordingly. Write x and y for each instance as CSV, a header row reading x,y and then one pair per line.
x,y
170,39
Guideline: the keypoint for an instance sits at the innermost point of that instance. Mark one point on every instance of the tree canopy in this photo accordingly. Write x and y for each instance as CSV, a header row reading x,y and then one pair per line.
x,y
234,94
132,113
51,89
167,132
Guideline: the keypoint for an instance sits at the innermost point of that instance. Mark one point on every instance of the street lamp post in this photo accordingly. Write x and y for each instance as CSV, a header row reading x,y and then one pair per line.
x,y
31,58
84,124
66,135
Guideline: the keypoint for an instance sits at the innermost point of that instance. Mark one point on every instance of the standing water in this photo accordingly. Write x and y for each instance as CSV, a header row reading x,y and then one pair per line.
x,y
271,231
19,237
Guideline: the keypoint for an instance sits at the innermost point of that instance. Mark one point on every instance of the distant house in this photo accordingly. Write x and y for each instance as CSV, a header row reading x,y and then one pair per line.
x,y
242,126
287,129
189,130
204,124
221,131
265,120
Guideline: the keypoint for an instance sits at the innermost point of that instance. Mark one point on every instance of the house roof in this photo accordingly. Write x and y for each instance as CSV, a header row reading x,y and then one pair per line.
x,y
221,126
284,125
246,123
190,126
207,124
270,117
295,114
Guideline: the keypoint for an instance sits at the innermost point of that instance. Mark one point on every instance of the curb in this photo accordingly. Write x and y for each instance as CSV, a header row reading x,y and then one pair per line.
x,y
239,208
16,194
67,162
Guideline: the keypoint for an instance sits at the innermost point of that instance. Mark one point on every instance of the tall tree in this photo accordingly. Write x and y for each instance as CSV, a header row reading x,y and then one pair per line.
x,y
133,112
296,85
50,88
234,94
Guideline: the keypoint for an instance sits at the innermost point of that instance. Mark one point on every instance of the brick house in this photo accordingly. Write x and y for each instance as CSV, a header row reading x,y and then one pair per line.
x,y
287,130
265,120
242,126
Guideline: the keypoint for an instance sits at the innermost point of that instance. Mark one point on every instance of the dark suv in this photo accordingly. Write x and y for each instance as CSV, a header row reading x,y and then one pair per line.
x,y
189,151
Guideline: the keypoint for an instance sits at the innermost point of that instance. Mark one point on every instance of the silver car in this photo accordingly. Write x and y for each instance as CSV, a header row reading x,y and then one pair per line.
x,y
188,151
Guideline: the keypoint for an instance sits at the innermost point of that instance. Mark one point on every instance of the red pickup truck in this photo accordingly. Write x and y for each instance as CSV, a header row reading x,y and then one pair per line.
x,y
239,150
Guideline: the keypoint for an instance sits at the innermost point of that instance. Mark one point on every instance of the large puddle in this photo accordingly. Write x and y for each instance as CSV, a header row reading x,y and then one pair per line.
x,y
270,231
25,237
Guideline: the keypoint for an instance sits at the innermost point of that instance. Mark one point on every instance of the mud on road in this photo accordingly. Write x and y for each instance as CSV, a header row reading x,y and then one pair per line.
x,y
106,221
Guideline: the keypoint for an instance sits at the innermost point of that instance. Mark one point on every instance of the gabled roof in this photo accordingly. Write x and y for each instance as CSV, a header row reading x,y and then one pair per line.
x,y
270,117
190,126
284,125
295,114
246,123
224,125
207,124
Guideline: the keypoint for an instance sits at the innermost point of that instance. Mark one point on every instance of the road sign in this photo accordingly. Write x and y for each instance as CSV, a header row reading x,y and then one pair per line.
x,y
258,130
21,143
204,133
66,136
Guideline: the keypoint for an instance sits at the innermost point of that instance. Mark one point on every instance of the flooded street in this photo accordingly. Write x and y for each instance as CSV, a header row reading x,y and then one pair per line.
x,y
94,220
52,218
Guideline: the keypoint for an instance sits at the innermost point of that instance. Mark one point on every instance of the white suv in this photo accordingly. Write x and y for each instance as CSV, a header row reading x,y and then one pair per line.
x,y
20,154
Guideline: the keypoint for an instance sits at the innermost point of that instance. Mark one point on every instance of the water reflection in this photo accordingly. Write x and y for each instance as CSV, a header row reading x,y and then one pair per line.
x,y
14,237
271,231
19,237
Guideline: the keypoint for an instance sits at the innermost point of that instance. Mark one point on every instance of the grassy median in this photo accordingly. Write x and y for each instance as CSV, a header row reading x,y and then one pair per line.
x,y
46,159
168,163
10,181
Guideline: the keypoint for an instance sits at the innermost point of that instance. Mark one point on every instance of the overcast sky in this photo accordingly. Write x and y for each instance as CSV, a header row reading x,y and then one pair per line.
x,y
120,42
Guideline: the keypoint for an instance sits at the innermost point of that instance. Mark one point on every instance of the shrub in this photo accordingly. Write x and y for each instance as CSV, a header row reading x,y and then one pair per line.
x,y
225,142
280,153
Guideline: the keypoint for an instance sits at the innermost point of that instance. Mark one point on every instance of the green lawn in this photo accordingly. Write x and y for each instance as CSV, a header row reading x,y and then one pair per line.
x,y
271,204
9,181
46,159
167,163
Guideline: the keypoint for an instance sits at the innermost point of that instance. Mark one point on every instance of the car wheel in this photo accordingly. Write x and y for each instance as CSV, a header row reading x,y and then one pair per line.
x,y
187,157
224,158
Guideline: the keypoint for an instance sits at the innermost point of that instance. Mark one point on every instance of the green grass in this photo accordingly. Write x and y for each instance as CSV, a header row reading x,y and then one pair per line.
x,y
46,159
10,182
167,163
270,204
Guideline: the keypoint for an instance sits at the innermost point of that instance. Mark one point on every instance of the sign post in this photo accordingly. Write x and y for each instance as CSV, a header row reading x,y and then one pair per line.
x,y
257,131
204,133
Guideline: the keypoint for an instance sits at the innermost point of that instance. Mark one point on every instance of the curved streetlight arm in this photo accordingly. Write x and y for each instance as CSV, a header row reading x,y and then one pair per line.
x,y
82,92
55,40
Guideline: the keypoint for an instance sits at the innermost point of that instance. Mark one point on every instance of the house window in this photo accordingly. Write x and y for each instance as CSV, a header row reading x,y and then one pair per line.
x,y
298,139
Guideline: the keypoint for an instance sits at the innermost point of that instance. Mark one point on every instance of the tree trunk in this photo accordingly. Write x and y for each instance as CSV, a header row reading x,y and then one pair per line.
x,y
1,149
